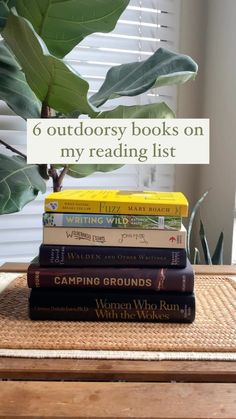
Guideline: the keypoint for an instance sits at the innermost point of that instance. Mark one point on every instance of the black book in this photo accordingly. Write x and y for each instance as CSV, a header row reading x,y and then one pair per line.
x,y
101,305
59,255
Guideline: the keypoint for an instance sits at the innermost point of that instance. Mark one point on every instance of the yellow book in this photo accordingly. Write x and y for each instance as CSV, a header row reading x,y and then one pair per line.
x,y
118,202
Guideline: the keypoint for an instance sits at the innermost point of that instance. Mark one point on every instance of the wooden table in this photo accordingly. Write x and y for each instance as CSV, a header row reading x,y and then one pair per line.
x,y
118,389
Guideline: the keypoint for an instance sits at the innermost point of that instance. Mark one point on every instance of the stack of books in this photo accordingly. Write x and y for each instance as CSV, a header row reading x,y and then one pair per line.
x,y
113,256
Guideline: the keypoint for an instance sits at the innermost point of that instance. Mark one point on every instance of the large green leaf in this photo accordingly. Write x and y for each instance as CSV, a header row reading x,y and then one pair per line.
x,y
217,257
62,24
5,6
50,78
14,89
82,170
162,68
204,243
191,219
155,110
196,256
19,183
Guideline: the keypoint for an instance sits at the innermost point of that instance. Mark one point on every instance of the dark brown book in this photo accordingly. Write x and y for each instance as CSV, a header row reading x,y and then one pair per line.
x,y
162,279
101,305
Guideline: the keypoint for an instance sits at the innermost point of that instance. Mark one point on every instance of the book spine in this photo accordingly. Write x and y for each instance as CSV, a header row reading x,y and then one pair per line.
x,y
119,237
164,279
113,207
59,255
144,208
94,306
122,208
111,221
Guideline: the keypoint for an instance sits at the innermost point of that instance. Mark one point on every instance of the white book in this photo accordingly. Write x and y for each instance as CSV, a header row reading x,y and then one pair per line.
x,y
174,239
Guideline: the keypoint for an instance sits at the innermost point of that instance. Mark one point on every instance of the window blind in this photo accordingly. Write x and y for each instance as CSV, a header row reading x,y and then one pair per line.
x,y
145,26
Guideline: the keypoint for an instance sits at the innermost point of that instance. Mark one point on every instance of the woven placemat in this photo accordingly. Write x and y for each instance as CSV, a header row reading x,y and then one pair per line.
x,y
214,329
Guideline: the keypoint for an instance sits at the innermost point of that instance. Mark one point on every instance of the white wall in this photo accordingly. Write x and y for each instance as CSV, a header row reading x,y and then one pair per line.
x,y
209,36
219,104
189,102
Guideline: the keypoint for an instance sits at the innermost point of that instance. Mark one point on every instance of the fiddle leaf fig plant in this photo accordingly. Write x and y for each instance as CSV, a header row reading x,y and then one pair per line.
x,y
14,89
36,81
21,183
54,83
64,24
162,68
5,6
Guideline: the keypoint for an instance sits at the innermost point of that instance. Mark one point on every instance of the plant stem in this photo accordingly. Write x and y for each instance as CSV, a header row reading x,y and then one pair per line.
x,y
9,147
45,111
52,172
62,175
57,178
